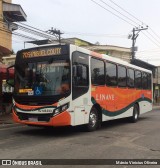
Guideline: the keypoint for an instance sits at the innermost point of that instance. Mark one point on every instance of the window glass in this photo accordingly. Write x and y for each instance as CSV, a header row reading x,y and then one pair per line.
x,y
138,79
130,78
149,81
121,76
42,78
144,80
111,74
97,72
80,74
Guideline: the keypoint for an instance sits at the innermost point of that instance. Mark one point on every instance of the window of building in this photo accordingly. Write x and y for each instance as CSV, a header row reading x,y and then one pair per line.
x,y
130,78
111,74
122,76
138,79
97,72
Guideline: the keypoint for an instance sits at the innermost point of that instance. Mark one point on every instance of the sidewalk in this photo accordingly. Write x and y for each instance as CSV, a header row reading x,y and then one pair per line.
x,y
6,118
6,121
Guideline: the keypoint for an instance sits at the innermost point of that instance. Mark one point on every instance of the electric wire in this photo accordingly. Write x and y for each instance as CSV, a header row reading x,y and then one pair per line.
x,y
156,35
152,39
120,13
127,12
42,35
112,13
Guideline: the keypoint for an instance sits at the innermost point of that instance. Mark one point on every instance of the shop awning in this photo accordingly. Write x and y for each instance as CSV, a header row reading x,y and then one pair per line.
x,y
13,12
40,42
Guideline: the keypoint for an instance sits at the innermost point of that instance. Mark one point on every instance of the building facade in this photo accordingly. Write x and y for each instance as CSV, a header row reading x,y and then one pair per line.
x,y
9,13
114,51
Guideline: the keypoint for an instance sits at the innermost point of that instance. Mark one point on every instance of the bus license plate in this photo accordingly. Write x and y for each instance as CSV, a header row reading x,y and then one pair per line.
x,y
33,119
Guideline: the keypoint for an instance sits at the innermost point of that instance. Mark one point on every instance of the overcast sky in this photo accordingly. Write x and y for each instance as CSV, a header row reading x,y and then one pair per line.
x,y
91,22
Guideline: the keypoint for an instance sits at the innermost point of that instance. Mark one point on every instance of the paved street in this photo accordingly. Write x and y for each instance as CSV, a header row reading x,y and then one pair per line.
x,y
117,139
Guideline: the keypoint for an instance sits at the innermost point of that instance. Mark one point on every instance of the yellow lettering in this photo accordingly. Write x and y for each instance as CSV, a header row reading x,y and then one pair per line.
x,y
44,52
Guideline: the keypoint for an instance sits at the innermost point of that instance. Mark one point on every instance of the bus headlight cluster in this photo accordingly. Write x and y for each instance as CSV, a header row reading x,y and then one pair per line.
x,y
60,109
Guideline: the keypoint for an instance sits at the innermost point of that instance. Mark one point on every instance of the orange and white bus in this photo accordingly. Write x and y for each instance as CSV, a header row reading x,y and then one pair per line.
x,y
62,85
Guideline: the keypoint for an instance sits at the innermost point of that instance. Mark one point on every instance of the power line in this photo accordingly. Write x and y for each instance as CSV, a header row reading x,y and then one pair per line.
x,y
134,37
96,35
127,21
153,37
151,40
127,12
31,29
154,33
123,20
119,12
112,13
150,50
35,32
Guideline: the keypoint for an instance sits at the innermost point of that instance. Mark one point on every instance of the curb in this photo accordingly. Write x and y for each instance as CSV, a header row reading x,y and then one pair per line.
x,y
156,107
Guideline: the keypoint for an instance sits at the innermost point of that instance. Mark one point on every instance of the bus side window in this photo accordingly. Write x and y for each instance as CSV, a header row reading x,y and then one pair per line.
x,y
130,78
144,80
97,72
111,74
149,81
80,74
122,77
138,79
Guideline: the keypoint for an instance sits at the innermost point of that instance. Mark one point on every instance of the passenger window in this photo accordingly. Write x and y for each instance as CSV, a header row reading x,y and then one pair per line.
x,y
111,74
144,80
149,82
138,79
130,78
122,76
97,72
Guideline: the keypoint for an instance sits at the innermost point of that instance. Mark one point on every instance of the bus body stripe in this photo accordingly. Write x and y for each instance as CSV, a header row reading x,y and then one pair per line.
x,y
118,112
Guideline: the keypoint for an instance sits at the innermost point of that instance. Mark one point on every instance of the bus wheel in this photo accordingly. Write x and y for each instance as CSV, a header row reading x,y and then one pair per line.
x,y
135,115
93,120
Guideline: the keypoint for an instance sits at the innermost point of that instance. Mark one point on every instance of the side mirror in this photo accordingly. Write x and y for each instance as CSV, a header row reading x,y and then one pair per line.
x,y
10,76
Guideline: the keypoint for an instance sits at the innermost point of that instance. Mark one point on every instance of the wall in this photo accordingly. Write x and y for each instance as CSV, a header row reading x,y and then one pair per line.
x,y
5,35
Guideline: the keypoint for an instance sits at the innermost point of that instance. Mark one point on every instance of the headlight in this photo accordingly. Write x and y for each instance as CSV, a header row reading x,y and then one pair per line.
x,y
60,109
57,111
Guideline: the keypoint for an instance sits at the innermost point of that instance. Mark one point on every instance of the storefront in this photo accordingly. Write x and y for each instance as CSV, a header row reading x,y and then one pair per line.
x,y
5,90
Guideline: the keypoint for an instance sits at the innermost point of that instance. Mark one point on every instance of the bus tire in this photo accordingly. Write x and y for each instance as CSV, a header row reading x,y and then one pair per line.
x,y
135,115
93,120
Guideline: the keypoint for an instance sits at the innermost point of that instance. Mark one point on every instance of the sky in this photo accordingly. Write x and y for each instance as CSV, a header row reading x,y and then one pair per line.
x,y
94,21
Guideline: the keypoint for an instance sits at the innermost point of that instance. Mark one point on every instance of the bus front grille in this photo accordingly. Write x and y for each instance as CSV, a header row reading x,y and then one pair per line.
x,y
34,117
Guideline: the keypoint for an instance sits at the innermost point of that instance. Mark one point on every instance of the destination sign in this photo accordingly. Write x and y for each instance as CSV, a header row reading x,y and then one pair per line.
x,y
42,52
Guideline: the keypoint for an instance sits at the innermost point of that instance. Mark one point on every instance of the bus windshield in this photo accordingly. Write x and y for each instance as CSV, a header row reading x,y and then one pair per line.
x,y
42,78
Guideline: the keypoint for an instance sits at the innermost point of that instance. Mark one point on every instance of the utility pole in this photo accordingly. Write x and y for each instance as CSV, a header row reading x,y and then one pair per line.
x,y
56,33
134,37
